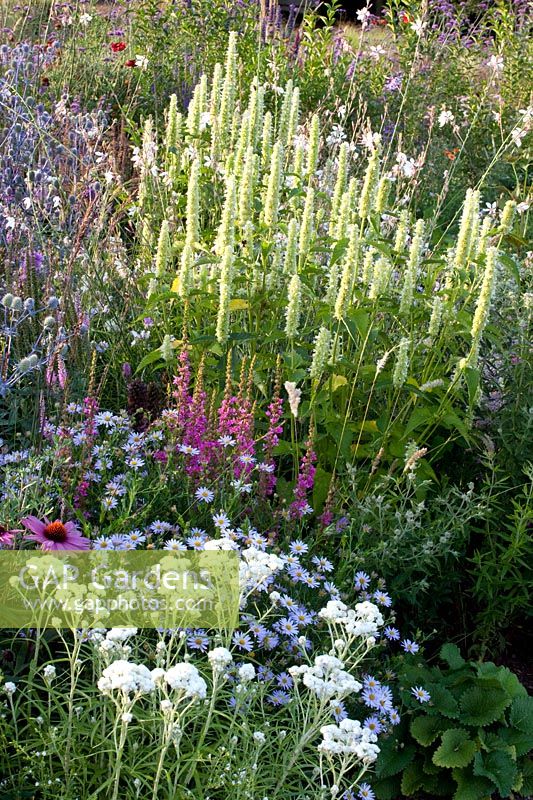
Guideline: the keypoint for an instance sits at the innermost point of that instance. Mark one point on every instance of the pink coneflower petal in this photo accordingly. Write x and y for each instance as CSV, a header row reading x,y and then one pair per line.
x,y
33,524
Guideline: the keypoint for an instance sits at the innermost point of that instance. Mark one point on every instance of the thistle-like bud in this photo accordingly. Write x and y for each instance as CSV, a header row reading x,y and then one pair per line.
x,y
285,113
226,279
411,270
368,266
7,299
164,248
401,231
256,111
194,112
314,145
343,219
226,230
483,238
174,123
266,141
370,183
436,317
333,286
243,143
192,233
229,89
382,194
49,323
481,313
464,238
307,226
399,375
292,312
506,222
380,278
349,273
185,278
246,188
271,199
320,353
294,116
340,185
216,91
291,255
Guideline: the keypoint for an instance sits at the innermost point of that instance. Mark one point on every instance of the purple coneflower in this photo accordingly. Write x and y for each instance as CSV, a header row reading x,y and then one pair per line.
x,y
55,535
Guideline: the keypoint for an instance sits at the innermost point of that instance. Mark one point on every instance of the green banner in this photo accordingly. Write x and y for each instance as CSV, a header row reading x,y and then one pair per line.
x,y
102,589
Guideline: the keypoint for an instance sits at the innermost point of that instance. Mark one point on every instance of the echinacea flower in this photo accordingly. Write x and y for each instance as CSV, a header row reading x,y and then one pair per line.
x,y
55,535
7,536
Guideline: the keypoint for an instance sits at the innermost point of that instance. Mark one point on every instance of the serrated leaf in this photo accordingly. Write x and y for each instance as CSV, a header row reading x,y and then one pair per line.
x,y
471,787
521,714
393,758
505,678
481,706
451,654
412,779
442,700
521,741
499,767
456,749
387,788
426,729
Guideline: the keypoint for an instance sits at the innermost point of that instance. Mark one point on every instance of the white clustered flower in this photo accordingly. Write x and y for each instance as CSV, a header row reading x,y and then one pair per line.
x,y
259,736
120,634
349,737
10,688
219,658
247,673
256,567
365,620
126,677
187,679
327,678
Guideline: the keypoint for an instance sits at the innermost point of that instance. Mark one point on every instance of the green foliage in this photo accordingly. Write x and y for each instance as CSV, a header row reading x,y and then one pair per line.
x,y
474,736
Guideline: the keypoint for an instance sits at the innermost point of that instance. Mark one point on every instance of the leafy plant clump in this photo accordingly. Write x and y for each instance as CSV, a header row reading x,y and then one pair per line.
x,y
469,734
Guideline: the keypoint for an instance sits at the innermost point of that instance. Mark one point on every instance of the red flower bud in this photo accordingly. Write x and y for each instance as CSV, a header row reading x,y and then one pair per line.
x,y
117,47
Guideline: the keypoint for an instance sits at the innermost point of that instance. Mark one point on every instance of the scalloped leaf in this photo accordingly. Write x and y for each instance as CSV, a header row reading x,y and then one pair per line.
x,y
451,654
455,750
412,779
521,741
521,715
499,767
504,677
426,729
471,787
481,706
393,758
387,788
442,701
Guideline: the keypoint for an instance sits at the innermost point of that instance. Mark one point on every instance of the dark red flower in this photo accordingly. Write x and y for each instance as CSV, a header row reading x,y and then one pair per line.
x,y
118,47
130,62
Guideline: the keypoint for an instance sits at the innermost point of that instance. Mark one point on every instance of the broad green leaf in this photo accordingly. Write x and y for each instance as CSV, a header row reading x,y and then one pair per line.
x,y
471,787
412,779
481,706
426,729
456,749
155,355
451,654
521,715
442,700
499,767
